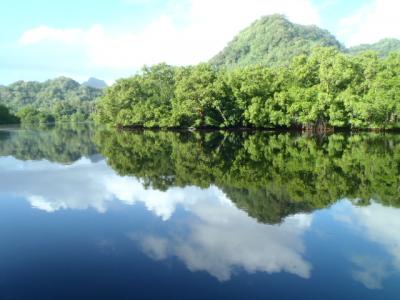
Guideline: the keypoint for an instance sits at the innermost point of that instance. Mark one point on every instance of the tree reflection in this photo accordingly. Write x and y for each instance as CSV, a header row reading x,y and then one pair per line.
x,y
270,175
64,143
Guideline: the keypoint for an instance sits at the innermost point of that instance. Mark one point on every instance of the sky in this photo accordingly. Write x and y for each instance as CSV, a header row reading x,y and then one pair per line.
x,y
43,39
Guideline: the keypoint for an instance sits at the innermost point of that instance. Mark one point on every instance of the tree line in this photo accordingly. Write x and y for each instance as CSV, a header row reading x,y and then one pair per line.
x,y
326,89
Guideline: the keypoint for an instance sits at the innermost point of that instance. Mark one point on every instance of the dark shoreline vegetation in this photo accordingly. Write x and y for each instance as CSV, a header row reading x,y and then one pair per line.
x,y
6,117
323,91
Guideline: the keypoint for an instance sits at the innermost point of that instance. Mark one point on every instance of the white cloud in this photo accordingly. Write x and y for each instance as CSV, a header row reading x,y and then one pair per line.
x,y
370,271
27,179
44,33
198,32
381,225
375,20
163,204
95,185
222,238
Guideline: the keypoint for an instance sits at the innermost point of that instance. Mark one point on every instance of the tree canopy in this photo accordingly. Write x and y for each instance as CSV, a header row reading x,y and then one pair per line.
x,y
384,47
325,89
61,99
273,41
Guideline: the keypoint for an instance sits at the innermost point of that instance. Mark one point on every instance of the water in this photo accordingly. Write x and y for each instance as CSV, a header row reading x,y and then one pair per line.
x,y
94,214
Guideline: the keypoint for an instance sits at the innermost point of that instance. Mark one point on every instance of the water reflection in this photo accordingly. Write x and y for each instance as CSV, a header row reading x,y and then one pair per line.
x,y
270,176
220,238
229,203
380,225
64,143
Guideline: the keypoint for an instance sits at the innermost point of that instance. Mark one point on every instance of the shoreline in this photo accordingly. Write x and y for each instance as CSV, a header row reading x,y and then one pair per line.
x,y
328,130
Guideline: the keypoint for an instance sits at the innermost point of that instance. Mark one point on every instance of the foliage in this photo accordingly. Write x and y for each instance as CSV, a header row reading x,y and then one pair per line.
x,y
61,99
144,99
322,90
272,41
200,98
6,117
275,41
30,115
384,47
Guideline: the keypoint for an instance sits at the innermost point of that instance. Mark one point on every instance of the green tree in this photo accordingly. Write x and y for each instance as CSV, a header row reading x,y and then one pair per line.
x,y
142,100
199,96
6,117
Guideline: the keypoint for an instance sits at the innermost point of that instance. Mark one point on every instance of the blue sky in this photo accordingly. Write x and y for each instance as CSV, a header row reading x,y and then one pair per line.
x,y
43,39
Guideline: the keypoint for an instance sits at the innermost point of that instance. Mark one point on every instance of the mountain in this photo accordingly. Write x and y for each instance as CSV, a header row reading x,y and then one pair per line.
x,y
383,47
273,40
95,83
61,97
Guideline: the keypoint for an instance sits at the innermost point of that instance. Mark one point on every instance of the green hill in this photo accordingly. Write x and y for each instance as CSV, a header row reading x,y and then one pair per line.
x,y
273,40
384,47
61,98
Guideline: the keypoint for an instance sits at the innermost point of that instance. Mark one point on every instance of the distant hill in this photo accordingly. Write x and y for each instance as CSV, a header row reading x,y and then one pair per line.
x,y
95,83
384,47
273,40
61,97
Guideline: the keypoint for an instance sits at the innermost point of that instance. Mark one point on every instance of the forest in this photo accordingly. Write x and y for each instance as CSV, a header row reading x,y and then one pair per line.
x,y
58,100
324,90
275,74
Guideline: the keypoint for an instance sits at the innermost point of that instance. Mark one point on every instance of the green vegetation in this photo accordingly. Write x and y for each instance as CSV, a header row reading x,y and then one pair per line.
x,y
384,47
273,41
61,99
30,115
6,117
274,74
268,175
323,90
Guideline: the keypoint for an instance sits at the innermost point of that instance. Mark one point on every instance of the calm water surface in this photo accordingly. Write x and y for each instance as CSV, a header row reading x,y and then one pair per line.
x,y
95,214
